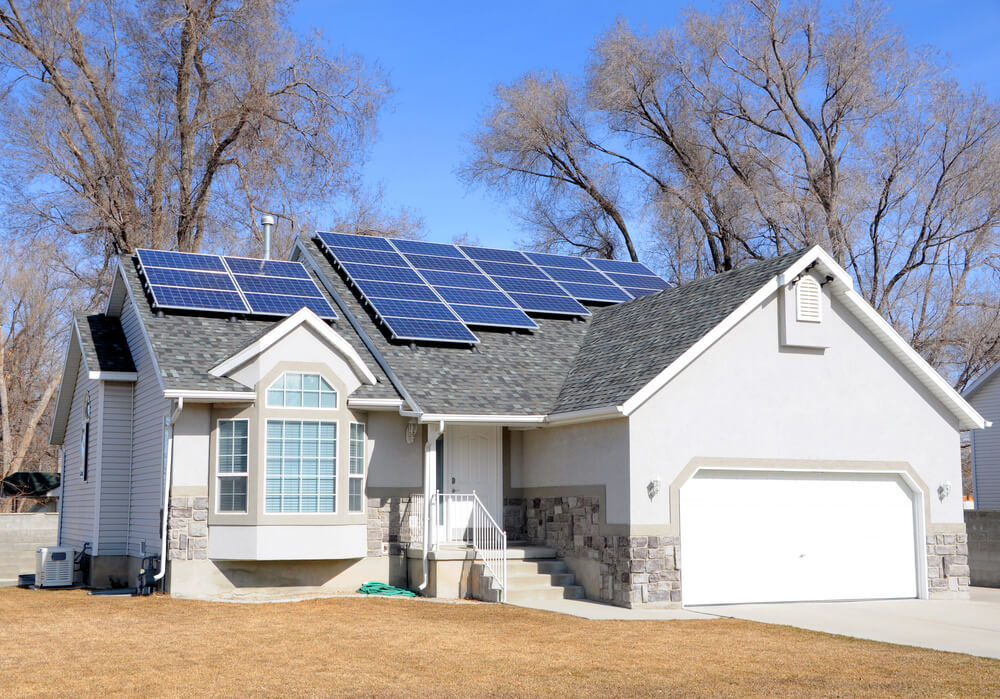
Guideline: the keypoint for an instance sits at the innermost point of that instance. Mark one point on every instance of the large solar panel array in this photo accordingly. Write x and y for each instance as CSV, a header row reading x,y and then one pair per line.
x,y
195,282
425,291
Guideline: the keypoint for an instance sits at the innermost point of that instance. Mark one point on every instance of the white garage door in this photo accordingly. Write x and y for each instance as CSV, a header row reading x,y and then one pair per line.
x,y
757,536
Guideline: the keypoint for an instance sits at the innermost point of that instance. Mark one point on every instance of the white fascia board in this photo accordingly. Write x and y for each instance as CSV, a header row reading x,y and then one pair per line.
x,y
142,326
212,396
589,415
968,417
375,403
129,376
67,385
304,316
458,418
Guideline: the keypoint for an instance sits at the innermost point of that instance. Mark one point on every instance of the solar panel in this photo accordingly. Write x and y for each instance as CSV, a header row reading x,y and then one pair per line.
x,y
400,297
276,287
579,278
190,281
196,282
461,284
634,277
524,281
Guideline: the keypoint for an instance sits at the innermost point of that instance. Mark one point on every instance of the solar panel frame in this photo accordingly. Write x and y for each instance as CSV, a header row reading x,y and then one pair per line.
x,y
169,259
349,240
191,299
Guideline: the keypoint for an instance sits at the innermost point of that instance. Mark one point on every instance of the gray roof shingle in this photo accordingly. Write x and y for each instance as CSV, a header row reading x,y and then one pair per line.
x,y
104,344
188,346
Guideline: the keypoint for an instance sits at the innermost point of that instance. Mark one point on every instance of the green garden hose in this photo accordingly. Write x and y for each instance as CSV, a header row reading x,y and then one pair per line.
x,y
377,588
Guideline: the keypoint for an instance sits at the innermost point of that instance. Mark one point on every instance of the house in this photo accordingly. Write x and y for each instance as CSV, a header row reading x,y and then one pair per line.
x,y
760,435
984,395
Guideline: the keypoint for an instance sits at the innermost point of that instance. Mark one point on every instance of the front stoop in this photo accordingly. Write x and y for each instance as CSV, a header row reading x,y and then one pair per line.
x,y
533,573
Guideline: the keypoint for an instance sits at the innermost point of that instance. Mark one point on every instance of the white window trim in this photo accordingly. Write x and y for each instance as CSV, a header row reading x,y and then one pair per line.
x,y
336,393
364,465
219,475
336,464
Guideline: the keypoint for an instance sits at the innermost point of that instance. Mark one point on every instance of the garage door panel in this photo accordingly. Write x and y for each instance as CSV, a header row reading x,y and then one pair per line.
x,y
774,536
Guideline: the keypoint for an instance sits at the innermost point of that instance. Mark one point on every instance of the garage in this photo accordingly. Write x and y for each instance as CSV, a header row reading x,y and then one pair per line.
x,y
784,536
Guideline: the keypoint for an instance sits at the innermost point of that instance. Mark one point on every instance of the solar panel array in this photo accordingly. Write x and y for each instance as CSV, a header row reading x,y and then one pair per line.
x,y
432,291
195,282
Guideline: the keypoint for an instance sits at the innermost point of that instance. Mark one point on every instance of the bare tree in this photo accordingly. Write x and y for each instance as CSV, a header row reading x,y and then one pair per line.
x,y
157,123
766,127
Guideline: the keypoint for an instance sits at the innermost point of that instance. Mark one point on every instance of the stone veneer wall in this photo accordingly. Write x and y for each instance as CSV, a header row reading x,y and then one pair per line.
x,y
390,520
187,528
947,563
634,569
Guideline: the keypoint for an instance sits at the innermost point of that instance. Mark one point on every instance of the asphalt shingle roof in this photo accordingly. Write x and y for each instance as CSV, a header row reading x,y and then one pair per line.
x,y
104,344
188,346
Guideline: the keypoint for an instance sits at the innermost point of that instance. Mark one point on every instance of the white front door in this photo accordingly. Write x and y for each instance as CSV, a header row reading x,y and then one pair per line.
x,y
759,536
472,463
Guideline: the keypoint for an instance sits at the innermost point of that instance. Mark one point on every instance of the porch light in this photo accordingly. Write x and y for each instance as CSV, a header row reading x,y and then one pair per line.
x,y
653,488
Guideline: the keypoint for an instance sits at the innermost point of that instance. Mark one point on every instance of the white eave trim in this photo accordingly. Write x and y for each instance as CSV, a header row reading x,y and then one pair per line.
x,y
303,316
130,376
458,418
67,386
375,403
608,412
843,286
212,396
120,270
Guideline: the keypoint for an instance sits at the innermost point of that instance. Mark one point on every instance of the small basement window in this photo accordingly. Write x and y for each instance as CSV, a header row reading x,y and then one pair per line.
x,y
809,301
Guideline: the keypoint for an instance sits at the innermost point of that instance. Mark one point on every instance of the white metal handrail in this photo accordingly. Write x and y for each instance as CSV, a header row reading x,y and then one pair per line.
x,y
462,518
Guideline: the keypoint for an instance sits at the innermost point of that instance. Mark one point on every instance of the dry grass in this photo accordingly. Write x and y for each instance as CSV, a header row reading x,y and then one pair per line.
x,y
153,646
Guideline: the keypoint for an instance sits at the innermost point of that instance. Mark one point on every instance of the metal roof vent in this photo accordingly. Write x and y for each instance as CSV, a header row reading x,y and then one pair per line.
x,y
267,223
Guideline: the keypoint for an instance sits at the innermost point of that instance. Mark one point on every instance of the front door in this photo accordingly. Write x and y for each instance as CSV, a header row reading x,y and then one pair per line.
x,y
472,463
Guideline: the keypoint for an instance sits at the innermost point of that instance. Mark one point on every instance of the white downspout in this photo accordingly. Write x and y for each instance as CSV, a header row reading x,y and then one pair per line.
x,y
430,467
166,490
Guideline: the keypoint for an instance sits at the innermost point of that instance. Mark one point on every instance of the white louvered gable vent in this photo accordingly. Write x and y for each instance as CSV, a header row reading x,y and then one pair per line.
x,y
809,300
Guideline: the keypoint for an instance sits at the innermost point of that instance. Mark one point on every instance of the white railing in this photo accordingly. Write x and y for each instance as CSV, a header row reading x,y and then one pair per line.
x,y
461,518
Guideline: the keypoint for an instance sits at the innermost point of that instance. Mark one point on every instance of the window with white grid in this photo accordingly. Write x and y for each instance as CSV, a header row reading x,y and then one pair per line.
x,y
232,465
356,483
296,390
301,466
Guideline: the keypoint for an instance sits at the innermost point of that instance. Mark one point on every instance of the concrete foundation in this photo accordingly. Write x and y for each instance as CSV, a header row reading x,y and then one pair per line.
x,y
451,573
983,527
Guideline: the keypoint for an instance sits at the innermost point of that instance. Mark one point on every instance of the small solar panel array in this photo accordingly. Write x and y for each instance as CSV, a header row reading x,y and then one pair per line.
x,y
434,291
195,282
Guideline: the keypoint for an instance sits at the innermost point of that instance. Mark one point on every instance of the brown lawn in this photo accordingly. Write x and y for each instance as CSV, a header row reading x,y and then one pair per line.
x,y
72,644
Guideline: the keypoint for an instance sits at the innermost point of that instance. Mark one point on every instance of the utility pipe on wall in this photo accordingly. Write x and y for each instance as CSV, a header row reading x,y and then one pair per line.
x,y
267,224
430,469
178,407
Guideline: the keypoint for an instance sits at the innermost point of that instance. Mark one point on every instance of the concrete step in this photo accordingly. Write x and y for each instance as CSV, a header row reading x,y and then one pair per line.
x,y
534,566
529,552
525,594
536,580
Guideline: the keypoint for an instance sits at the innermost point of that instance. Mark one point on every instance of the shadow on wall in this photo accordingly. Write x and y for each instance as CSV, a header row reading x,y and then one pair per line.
x,y
983,529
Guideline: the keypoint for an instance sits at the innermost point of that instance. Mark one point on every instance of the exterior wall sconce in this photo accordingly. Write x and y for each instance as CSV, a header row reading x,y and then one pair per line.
x,y
653,488
411,431
944,490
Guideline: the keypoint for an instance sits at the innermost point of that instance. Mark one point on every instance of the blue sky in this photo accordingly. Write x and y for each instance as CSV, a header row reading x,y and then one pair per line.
x,y
444,59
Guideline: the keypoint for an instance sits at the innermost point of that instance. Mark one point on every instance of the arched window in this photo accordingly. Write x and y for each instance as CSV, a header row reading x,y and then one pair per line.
x,y
296,390
808,301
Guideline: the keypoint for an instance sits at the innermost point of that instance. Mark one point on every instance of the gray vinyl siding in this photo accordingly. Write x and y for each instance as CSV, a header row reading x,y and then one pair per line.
x,y
78,496
116,453
986,445
147,441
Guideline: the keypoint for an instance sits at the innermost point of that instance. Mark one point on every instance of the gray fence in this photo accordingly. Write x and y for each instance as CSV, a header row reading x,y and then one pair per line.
x,y
983,527
20,535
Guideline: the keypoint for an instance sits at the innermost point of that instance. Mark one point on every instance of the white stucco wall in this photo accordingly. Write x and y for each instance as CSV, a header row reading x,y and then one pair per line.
x,y
392,463
747,398
588,454
191,446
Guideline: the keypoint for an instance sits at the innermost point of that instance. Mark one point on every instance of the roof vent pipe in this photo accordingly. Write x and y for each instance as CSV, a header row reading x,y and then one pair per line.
x,y
267,223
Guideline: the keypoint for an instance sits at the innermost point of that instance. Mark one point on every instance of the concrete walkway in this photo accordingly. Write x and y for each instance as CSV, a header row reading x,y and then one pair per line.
x,y
961,626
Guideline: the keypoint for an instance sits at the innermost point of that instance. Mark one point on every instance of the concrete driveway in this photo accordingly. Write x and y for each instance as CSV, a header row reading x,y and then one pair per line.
x,y
962,626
